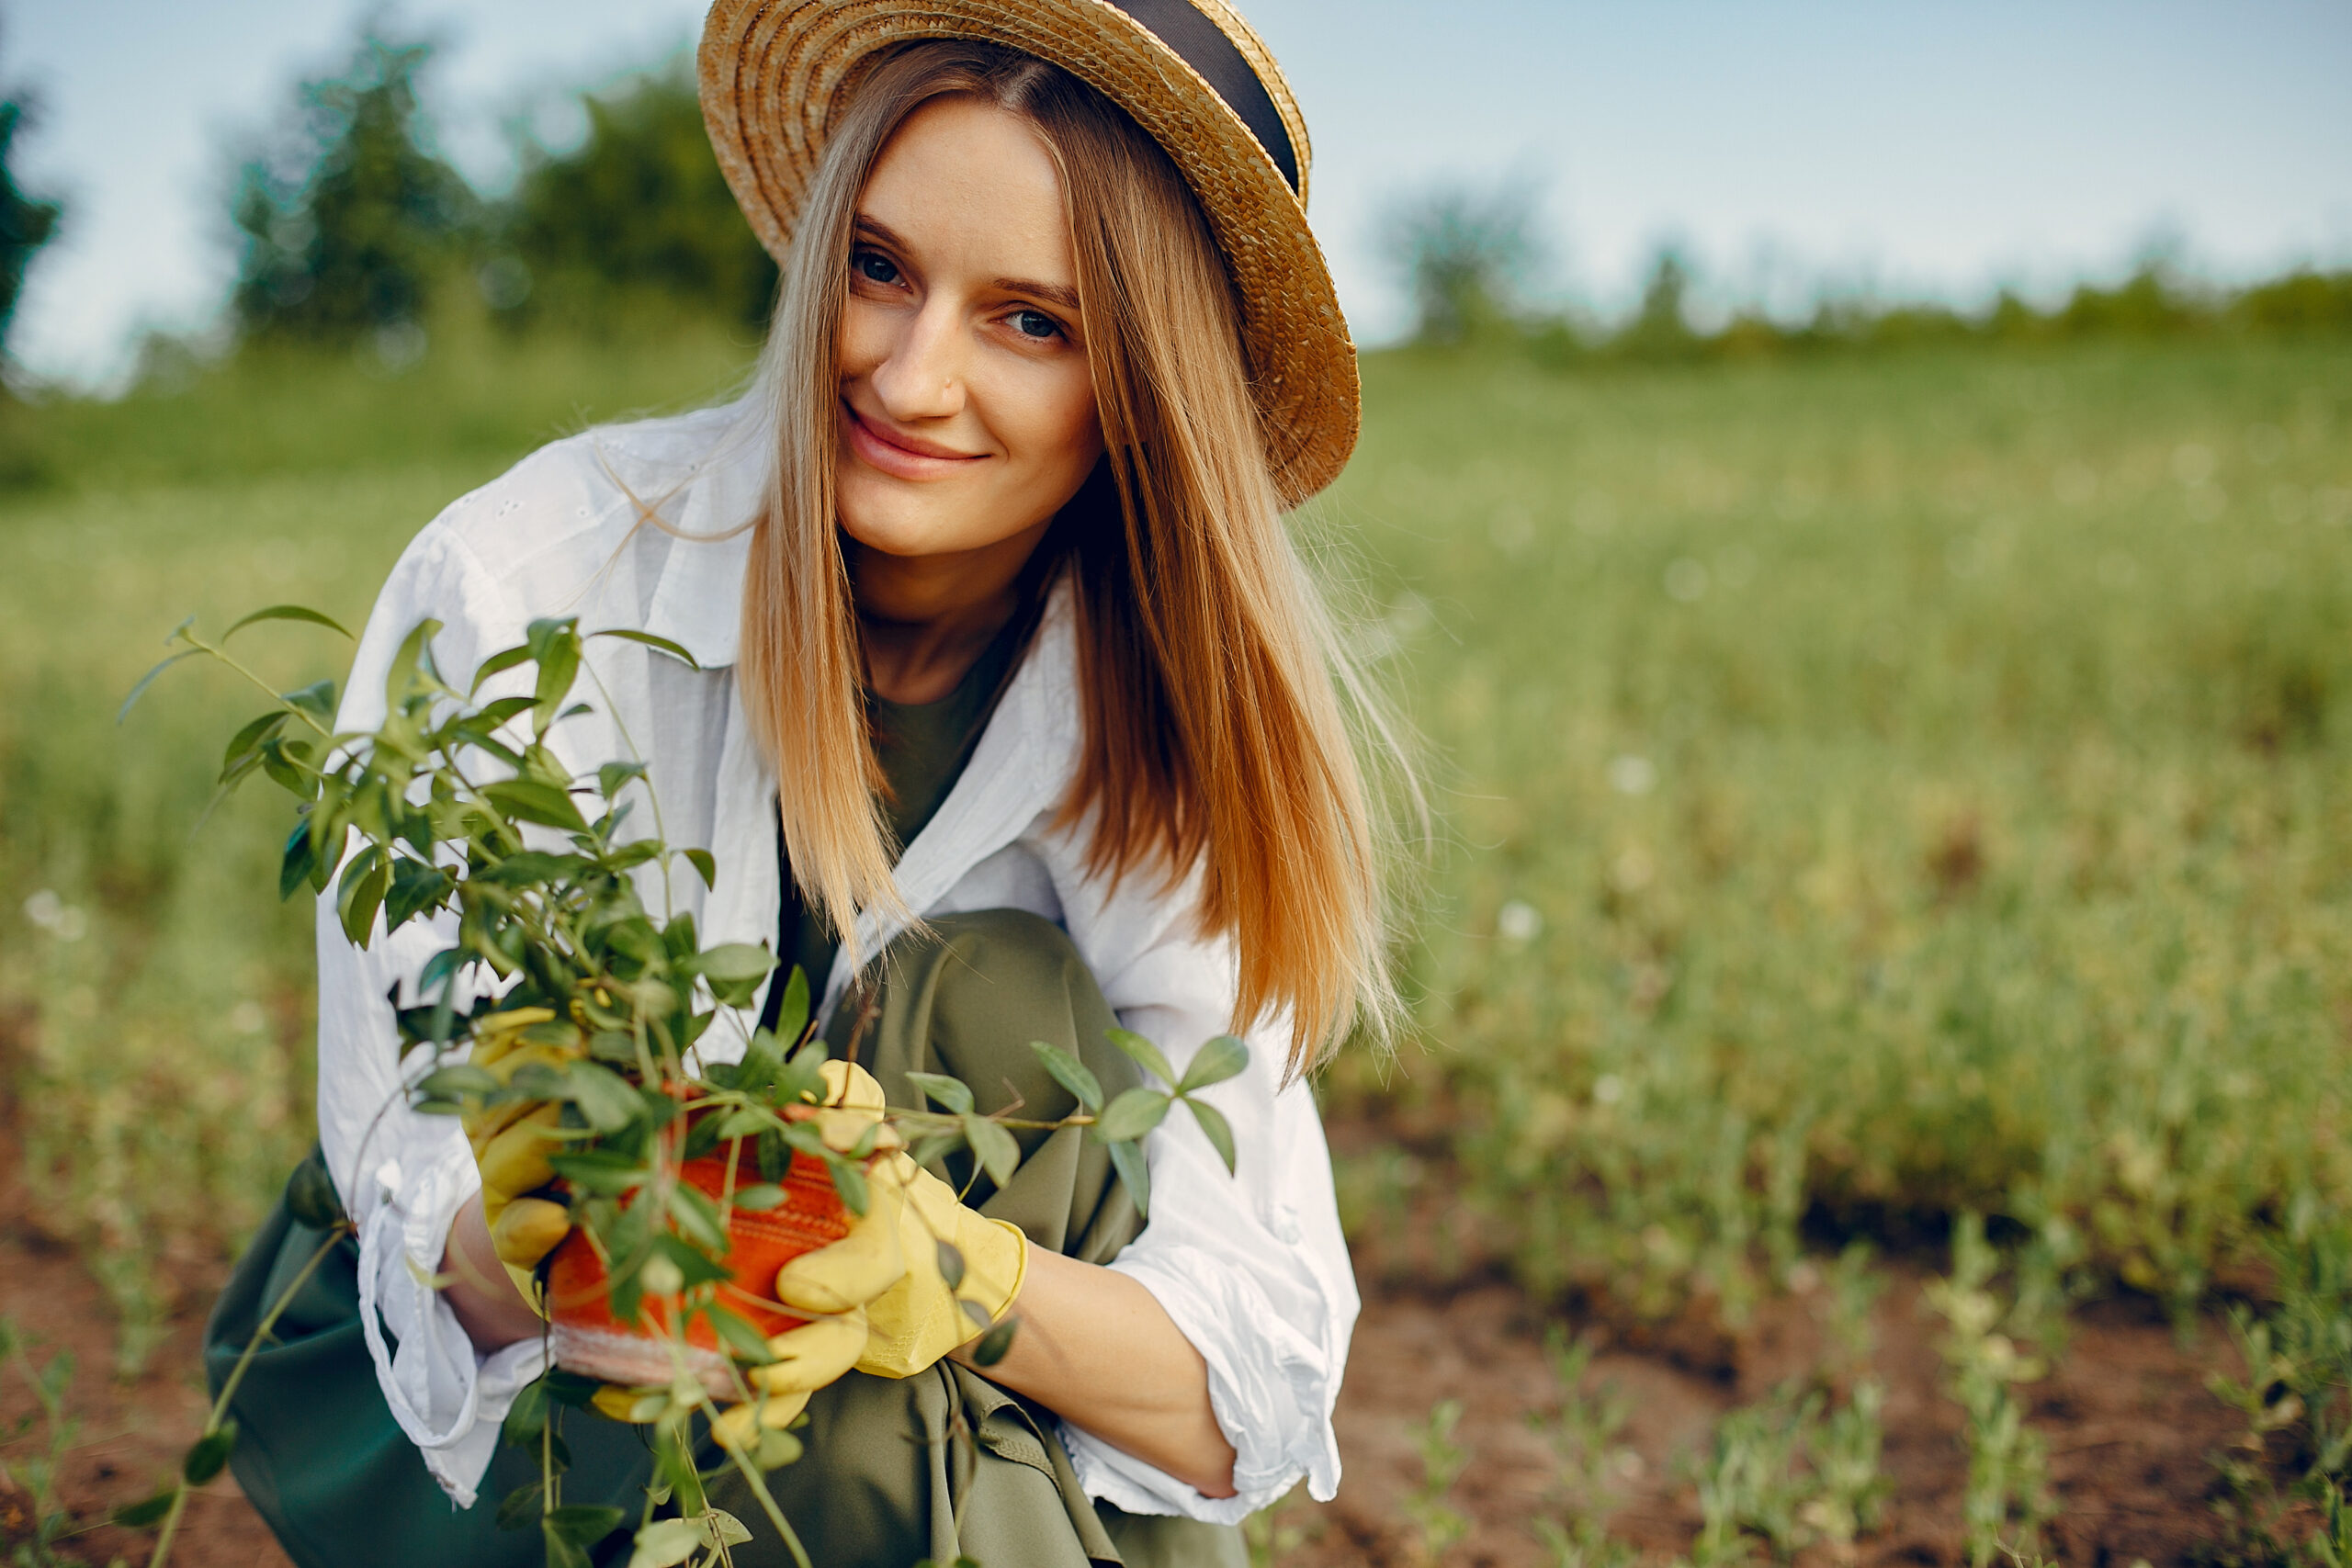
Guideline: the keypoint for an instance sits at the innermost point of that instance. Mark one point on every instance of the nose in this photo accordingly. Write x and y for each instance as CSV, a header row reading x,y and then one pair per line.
x,y
923,378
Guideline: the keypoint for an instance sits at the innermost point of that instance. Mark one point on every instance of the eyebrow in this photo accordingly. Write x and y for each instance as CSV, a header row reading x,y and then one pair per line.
x,y
1054,294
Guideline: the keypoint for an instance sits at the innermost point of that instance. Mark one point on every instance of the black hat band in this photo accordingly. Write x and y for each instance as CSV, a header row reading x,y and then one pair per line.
x,y
1202,44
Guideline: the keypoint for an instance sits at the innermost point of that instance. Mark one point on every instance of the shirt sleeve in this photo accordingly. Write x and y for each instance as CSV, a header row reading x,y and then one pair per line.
x,y
404,1175
1250,1265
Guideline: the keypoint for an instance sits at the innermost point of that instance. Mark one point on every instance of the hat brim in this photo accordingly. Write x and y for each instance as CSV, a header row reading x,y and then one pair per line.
x,y
772,73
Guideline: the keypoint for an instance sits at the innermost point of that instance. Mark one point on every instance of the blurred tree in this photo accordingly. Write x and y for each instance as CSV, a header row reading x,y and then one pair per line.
x,y
1661,328
27,222
1468,255
348,219
639,210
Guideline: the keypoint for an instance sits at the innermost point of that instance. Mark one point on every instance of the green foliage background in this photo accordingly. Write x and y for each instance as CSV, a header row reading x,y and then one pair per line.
x,y
1872,786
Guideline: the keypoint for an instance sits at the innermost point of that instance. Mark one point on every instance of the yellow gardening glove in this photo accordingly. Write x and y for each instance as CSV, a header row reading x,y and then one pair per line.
x,y
511,1144
889,1262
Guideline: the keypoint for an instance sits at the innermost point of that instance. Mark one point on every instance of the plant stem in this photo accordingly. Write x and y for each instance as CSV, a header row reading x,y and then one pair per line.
x,y
228,1387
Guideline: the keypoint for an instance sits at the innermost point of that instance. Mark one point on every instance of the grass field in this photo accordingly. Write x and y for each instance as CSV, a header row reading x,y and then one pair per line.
x,y
1873,789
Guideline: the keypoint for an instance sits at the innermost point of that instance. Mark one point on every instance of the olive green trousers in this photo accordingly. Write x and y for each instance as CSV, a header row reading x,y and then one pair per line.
x,y
937,1466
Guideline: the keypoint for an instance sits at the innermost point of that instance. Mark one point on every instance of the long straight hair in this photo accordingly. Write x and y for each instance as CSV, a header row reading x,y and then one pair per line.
x,y
1216,743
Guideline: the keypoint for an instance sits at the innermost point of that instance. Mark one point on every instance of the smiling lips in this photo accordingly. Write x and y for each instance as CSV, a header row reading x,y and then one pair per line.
x,y
899,455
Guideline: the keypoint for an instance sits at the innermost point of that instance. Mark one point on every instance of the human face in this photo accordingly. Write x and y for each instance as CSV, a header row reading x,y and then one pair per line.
x,y
967,415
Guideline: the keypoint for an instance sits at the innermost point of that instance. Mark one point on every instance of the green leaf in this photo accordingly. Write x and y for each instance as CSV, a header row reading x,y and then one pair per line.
x,y
311,1197
850,1182
1144,1053
295,865
1214,1127
776,1448
1130,1116
526,868
460,1080
417,888
663,644
1070,1073
664,1543
612,776
703,864
561,1553
605,1171
1220,1059
209,1455
527,1417
606,1099
287,613
759,1198
147,1513
734,962
578,1526
949,1092
747,1342
520,1509
498,664
698,1218
1134,1174
148,680
559,667
409,664
996,1342
361,893
317,699
572,1390
527,800
999,1153
245,744
951,1263
792,1013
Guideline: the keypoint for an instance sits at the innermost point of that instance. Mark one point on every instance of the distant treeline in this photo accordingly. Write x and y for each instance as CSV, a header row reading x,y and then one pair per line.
x,y
1469,254
2157,301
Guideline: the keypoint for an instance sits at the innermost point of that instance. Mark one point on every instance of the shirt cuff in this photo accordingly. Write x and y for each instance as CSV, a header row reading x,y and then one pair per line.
x,y
447,1398
1270,1388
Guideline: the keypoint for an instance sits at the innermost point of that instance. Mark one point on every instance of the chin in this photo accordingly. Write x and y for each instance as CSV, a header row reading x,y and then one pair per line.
x,y
894,530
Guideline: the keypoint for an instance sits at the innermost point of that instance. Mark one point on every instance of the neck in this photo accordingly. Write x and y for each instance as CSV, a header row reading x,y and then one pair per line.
x,y
923,620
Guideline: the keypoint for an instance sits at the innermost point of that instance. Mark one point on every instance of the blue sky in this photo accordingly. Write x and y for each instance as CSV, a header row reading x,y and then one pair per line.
x,y
1928,146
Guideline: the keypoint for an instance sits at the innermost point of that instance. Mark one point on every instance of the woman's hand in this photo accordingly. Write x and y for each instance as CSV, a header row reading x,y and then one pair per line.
x,y
501,1234
1093,1347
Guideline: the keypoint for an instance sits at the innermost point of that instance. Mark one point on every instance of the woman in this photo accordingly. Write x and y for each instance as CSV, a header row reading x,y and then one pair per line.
x,y
989,565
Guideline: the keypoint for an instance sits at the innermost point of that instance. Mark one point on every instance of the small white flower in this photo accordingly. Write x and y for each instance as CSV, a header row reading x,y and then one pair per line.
x,y
1607,1088
1519,923
66,921
1631,774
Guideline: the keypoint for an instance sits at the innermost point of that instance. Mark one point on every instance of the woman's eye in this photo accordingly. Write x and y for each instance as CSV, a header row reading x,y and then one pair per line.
x,y
875,267
1035,324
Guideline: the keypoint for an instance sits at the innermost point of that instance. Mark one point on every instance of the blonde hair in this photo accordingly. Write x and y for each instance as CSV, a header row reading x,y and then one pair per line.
x,y
1210,677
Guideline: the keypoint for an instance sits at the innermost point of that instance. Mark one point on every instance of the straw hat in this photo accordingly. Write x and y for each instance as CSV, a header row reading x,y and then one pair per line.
x,y
1192,74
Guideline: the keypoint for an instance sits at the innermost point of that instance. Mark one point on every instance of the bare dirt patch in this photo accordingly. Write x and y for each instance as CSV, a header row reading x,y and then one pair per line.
x,y
2126,1415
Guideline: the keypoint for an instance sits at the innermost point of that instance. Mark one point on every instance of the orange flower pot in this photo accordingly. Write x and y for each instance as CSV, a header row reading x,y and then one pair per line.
x,y
587,1338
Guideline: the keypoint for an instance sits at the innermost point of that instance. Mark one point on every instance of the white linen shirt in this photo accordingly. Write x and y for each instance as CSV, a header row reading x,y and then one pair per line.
x,y
1251,1266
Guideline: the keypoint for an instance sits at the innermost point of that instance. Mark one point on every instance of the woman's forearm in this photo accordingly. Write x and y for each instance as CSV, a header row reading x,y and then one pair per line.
x,y
478,1288
1099,1350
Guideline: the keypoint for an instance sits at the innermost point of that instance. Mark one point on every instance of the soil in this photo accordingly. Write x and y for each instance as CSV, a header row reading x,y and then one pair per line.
x,y
2128,1422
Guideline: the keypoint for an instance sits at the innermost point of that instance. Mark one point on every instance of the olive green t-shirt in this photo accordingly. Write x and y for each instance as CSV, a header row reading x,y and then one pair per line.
x,y
923,748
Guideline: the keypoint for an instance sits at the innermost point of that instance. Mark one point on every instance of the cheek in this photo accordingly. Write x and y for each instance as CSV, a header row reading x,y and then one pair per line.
x,y
864,341
1067,424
